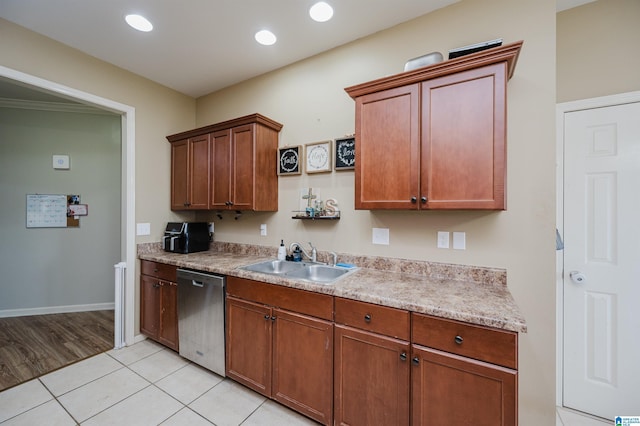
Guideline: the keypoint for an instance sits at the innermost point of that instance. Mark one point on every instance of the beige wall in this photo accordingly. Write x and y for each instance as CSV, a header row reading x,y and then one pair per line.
x,y
308,98
159,110
597,49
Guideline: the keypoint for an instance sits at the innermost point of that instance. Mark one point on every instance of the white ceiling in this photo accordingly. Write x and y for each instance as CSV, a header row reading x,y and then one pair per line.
x,y
200,46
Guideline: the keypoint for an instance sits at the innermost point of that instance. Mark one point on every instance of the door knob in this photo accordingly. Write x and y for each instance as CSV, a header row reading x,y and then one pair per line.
x,y
577,277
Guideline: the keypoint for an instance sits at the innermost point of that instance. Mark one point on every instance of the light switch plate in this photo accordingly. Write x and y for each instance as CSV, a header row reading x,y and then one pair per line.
x,y
443,239
61,162
263,229
459,240
143,229
380,236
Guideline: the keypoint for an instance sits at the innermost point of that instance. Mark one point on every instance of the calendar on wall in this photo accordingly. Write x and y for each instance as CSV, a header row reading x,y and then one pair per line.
x,y
46,211
54,211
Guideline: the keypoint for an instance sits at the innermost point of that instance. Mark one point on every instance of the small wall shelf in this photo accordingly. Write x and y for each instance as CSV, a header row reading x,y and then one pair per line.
x,y
302,215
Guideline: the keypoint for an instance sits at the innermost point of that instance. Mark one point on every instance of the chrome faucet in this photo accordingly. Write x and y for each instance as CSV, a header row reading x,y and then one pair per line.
x,y
314,253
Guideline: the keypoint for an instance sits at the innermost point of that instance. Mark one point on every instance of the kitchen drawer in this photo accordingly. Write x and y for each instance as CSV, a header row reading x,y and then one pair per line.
x,y
292,299
159,270
486,344
375,318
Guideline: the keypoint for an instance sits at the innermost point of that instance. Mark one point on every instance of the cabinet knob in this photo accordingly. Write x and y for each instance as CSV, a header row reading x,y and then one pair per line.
x,y
414,200
415,360
267,317
423,200
156,285
403,356
273,318
458,340
367,318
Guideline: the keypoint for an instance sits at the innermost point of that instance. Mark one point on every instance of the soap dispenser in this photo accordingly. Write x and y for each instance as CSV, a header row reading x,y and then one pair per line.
x,y
282,251
297,254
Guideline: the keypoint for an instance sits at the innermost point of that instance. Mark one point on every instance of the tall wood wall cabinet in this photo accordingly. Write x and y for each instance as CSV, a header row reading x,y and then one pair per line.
x,y
435,137
230,165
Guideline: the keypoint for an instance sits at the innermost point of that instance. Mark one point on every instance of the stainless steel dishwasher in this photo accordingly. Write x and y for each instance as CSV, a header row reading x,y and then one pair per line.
x,y
201,319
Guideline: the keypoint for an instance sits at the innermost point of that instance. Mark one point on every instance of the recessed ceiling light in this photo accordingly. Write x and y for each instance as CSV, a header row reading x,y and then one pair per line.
x,y
321,12
265,37
139,22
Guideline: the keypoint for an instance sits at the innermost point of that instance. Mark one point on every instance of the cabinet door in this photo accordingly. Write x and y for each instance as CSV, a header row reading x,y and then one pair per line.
x,y
303,364
180,175
450,389
149,306
168,332
221,172
463,139
199,173
371,384
388,149
249,349
242,167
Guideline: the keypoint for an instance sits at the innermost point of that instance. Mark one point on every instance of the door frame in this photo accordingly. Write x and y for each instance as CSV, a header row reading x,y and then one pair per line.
x,y
561,110
128,140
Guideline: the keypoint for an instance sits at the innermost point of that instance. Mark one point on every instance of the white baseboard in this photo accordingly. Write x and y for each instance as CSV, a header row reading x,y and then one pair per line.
x,y
56,310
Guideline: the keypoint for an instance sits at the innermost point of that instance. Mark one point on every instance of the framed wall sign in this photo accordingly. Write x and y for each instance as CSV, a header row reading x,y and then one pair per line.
x,y
318,157
289,160
345,155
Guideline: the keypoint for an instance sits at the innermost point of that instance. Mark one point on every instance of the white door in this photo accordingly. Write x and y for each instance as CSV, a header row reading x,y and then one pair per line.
x,y
602,247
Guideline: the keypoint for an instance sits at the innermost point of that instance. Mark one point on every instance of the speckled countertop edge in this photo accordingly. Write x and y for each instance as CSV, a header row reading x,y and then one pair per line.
x,y
471,294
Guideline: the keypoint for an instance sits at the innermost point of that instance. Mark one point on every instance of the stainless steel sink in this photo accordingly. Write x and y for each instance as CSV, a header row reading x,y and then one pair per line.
x,y
277,267
319,273
313,272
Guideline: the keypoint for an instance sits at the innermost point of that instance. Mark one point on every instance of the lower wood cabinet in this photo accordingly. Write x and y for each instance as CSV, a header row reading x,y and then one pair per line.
x,y
371,364
159,303
280,353
371,378
462,373
449,389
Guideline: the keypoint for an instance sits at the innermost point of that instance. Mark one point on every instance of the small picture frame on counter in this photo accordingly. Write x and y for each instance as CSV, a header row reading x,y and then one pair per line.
x,y
345,153
289,160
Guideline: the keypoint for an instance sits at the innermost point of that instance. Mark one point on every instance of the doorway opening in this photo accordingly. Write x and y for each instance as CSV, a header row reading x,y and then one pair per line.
x,y
127,231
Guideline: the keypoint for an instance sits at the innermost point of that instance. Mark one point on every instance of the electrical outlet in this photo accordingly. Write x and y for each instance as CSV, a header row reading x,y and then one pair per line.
x,y
443,239
263,229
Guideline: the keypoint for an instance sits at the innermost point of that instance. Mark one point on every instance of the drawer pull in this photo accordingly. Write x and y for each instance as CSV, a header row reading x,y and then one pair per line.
x,y
403,356
367,318
458,340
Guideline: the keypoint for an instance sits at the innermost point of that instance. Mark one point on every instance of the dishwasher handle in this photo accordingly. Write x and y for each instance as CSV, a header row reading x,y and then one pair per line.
x,y
197,283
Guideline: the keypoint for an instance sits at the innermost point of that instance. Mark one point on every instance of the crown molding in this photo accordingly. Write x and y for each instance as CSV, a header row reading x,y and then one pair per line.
x,y
51,106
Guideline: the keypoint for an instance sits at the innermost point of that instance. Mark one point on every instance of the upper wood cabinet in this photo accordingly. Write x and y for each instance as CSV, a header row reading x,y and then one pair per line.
x,y
435,137
240,163
190,171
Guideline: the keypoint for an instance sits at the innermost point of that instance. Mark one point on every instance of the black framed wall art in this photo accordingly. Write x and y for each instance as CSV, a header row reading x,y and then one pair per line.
x,y
345,153
289,160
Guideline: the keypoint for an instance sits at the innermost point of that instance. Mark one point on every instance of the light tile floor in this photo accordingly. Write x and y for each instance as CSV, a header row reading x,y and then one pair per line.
x,y
143,384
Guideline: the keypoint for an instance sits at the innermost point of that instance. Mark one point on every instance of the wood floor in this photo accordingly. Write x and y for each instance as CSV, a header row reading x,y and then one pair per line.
x,y
35,345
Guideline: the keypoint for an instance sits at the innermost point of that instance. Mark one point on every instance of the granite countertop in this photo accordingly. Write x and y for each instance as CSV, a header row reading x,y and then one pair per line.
x,y
471,294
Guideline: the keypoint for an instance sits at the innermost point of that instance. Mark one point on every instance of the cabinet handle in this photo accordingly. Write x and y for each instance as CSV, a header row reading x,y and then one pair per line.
x,y
267,317
424,200
458,340
156,285
367,318
273,318
415,360
414,200
230,203
403,356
